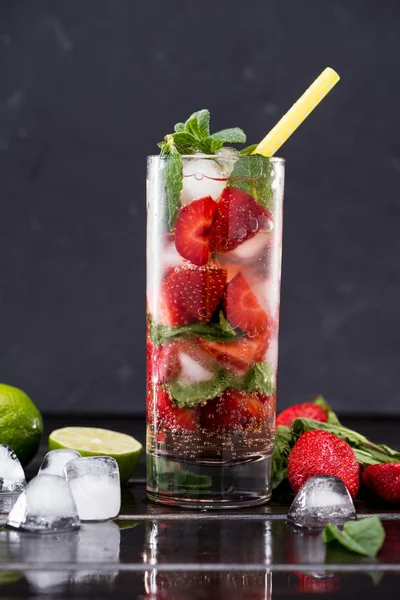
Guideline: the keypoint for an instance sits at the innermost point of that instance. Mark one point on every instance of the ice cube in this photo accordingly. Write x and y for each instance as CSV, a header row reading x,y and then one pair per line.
x,y
12,476
55,461
45,549
95,485
201,177
322,499
98,543
46,504
192,371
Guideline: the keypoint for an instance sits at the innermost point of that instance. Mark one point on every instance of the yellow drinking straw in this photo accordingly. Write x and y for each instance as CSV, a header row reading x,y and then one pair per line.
x,y
298,113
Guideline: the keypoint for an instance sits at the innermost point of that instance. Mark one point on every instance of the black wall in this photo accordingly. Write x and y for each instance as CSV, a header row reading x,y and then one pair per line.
x,y
89,87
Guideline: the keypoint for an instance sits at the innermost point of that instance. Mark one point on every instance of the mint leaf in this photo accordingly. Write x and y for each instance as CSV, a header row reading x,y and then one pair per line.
x,y
184,395
179,127
253,174
186,143
364,537
215,332
248,150
198,124
282,447
259,378
235,135
332,418
173,181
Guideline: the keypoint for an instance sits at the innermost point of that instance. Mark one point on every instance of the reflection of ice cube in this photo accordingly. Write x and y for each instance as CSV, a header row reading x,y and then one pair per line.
x,y
12,476
55,461
201,177
46,504
95,485
45,549
322,499
98,543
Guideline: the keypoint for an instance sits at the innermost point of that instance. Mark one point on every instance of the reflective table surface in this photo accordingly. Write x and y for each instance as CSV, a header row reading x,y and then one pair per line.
x,y
156,552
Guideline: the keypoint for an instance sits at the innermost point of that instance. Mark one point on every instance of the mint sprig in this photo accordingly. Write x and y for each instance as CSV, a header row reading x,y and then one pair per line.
x,y
190,137
253,175
364,537
259,378
221,331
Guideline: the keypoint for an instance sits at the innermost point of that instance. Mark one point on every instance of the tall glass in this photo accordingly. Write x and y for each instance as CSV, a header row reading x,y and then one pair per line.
x,y
214,239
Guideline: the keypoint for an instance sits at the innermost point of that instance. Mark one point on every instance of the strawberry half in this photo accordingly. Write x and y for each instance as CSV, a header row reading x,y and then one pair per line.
x,y
170,417
192,230
238,217
318,452
238,356
384,480
190,294
233,410
306,410
243,309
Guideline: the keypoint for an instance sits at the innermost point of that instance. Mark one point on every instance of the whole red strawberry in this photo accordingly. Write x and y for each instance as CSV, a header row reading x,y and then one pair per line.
x,y
384,480
306,410
318,452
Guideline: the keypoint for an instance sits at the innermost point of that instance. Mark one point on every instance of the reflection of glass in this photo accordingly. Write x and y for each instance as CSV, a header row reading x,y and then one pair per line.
x,y
213,315
172,542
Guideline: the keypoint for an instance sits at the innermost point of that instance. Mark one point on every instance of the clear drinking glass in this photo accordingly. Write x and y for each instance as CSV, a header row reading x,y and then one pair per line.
x,y
214,239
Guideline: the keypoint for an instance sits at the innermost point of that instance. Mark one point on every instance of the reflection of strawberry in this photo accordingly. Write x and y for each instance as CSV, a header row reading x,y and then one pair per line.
x,y
165,364
233,409
318,452
237,219
192,230
170,417
190,294
306,410
384,480
242,307
307,584
238,356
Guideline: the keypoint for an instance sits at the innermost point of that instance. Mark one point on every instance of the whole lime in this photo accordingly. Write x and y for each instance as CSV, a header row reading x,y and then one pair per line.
x,y
21,424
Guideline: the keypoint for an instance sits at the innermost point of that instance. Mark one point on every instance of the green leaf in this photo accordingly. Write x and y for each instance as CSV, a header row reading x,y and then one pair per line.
x,y
248,150
332,418
364,537
282,447
198,124
222,331
259,378
187,143
235,135
184,395
173,181
179,127
253,174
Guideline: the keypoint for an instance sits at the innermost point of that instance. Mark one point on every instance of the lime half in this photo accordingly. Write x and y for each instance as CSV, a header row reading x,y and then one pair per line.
x,y
92,441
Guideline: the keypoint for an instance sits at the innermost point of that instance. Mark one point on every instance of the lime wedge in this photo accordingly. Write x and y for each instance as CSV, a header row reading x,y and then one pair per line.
x,y
92,441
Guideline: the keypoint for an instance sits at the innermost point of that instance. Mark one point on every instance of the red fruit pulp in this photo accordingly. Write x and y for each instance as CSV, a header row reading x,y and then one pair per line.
x,y
242,307
192,230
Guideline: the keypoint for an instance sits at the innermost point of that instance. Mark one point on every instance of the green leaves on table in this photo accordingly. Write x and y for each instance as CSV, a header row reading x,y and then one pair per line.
x,y
364,537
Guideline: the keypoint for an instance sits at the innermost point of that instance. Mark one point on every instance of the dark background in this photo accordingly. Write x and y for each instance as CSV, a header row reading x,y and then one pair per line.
x,y
89,87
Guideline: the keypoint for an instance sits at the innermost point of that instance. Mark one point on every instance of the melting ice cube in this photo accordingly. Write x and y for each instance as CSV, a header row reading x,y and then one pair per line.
x,y
55,461
95,485
322,499
12,476
201,177
46,504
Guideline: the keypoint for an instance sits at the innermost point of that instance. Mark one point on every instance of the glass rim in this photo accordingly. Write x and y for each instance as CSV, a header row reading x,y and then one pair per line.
x,y
276,159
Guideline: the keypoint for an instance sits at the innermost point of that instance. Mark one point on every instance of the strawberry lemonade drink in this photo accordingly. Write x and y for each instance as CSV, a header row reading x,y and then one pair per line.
x,y
213,267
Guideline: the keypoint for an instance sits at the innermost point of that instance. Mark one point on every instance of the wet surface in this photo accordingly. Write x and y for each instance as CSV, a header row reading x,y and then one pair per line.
x,y
156,552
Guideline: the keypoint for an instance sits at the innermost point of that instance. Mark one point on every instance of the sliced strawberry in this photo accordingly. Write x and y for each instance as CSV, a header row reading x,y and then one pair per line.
x,y
243,309
192,230
190,294
238,356
238,218
232,410
170,417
